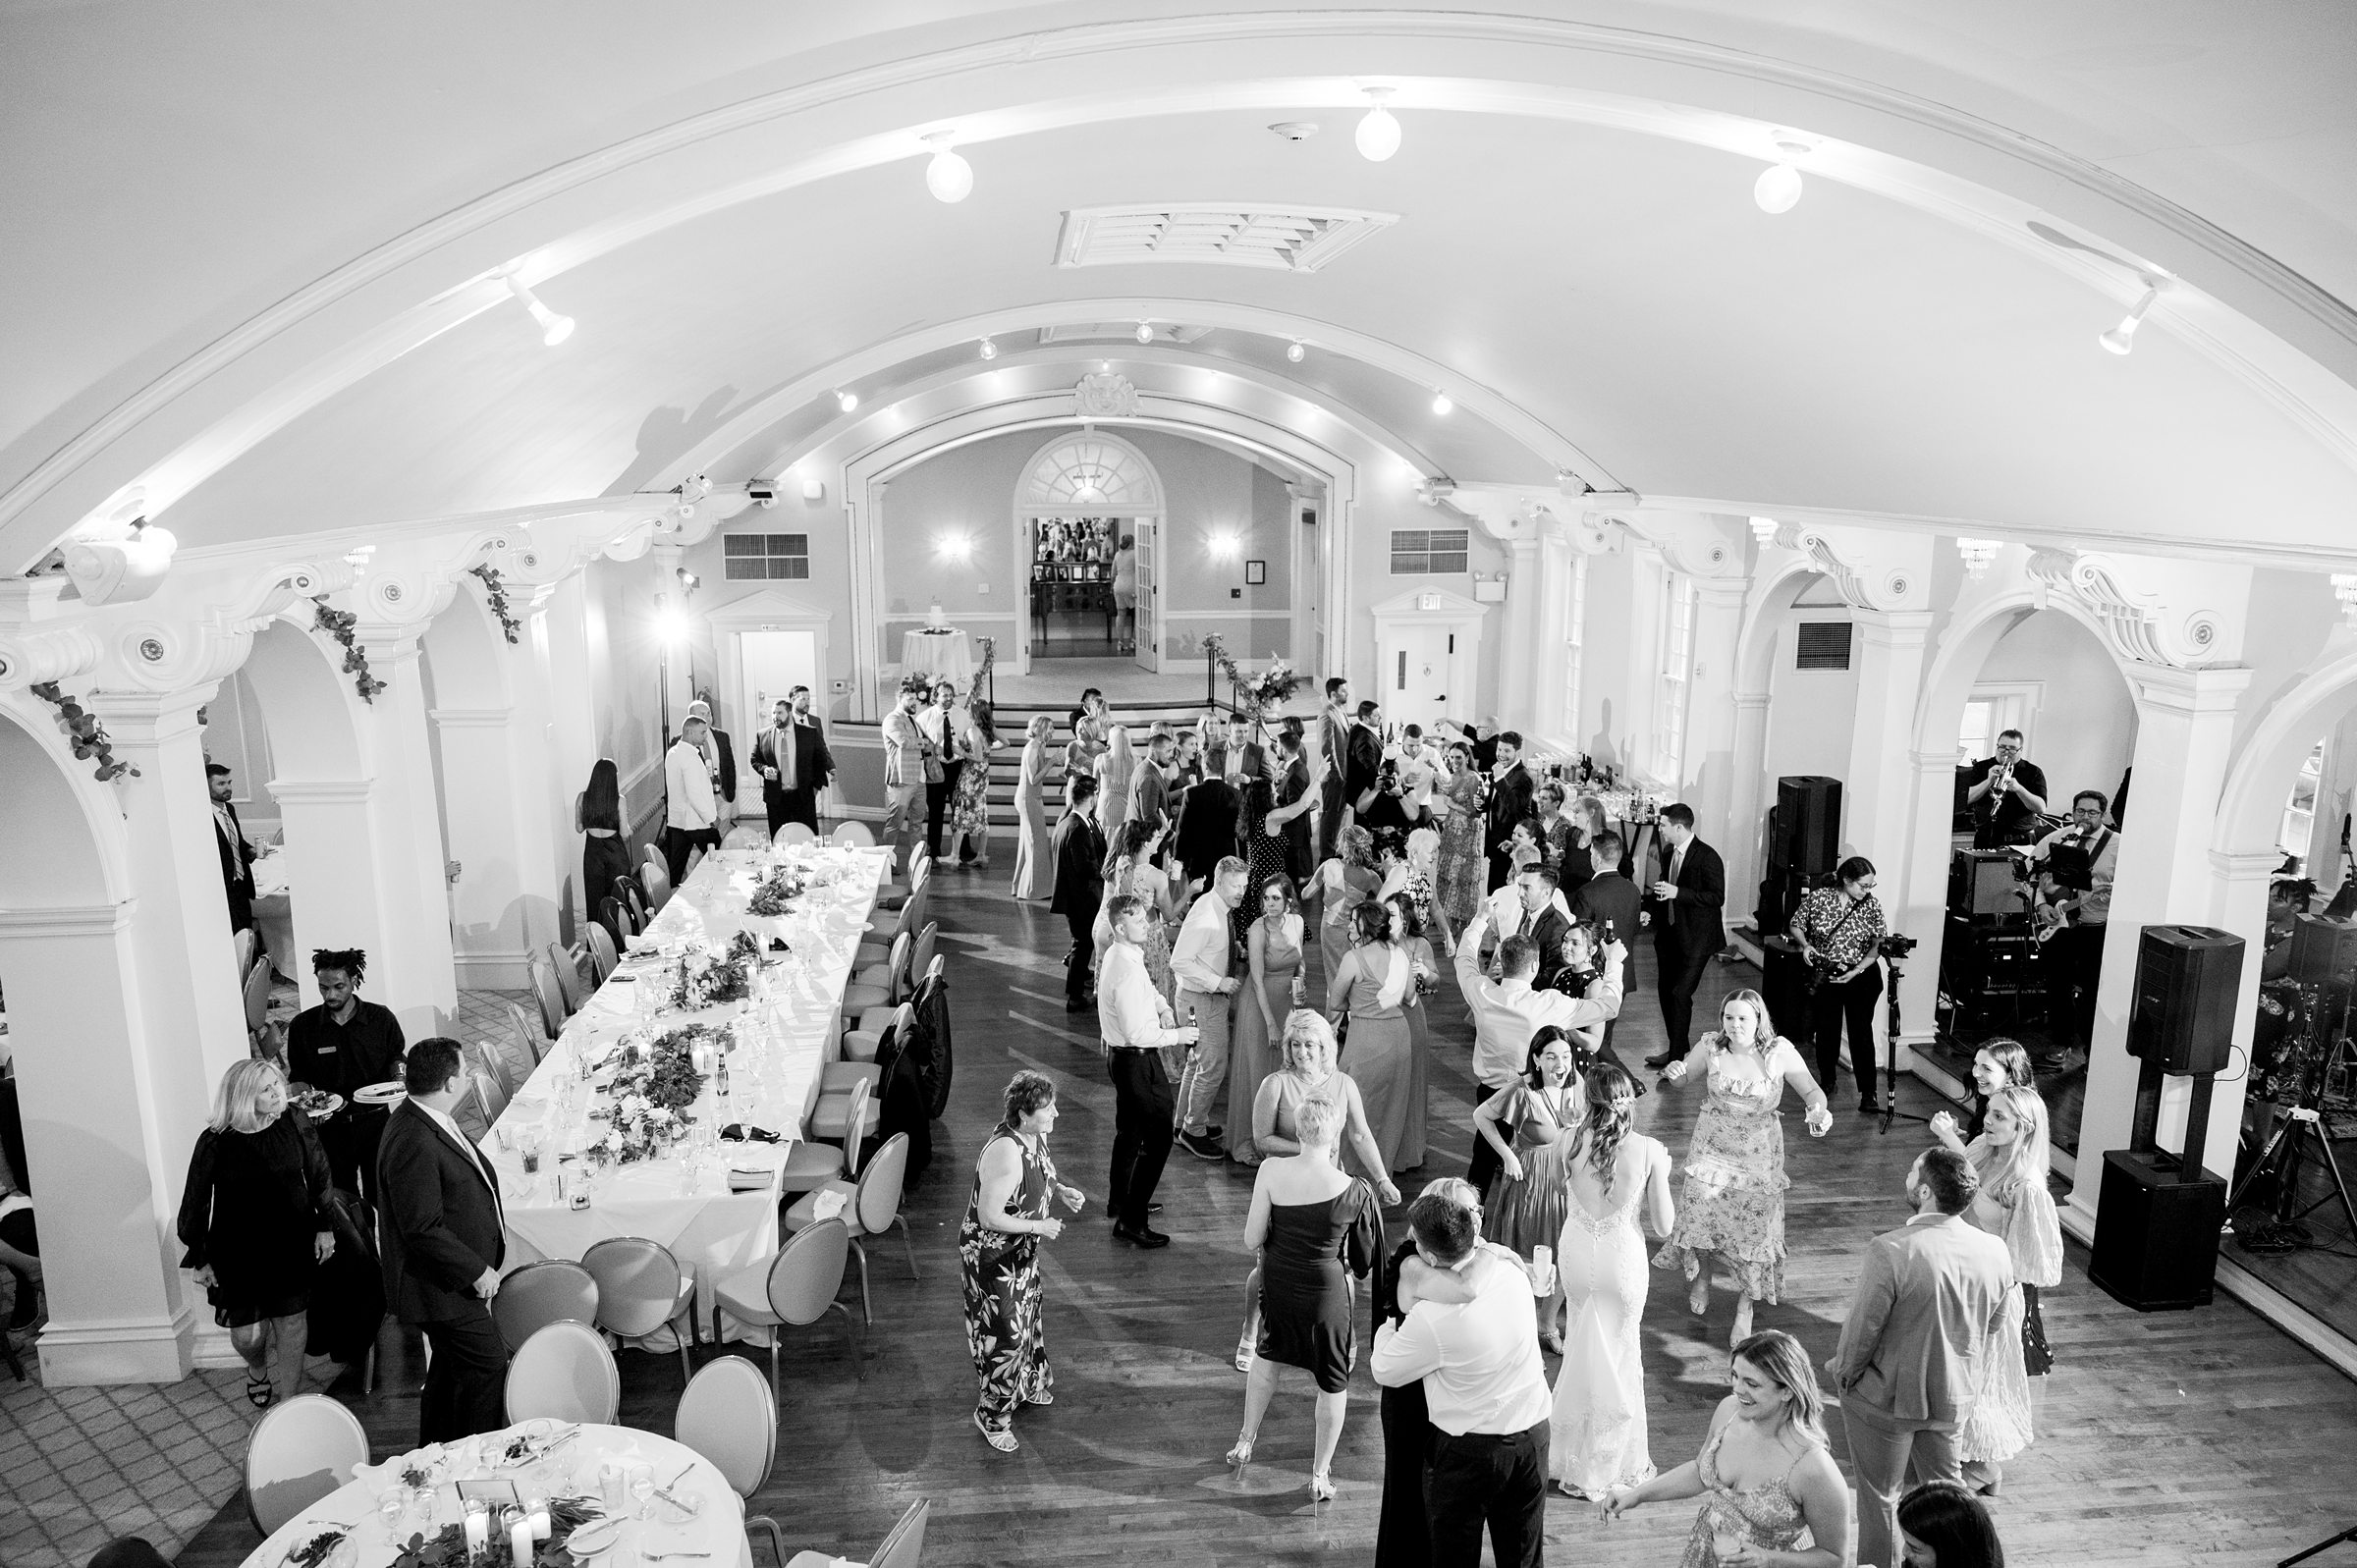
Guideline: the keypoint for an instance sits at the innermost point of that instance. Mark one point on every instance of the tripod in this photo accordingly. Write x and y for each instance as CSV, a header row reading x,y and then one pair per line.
x,y
2326,1544
2287,1147
1890,1063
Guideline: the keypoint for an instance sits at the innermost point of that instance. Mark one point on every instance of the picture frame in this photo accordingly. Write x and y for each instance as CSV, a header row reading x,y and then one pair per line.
x,y
1256,574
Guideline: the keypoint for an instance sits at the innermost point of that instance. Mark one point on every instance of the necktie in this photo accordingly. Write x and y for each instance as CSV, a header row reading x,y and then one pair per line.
x,y
785,744
1677,860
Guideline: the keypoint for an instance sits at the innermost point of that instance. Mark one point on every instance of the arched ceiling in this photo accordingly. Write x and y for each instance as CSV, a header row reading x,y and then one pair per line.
x,y
280,315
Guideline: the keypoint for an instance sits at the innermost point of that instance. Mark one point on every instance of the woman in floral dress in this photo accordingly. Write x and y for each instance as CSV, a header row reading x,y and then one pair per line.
x,y
969,805
998,1247
1733,1202
1462,874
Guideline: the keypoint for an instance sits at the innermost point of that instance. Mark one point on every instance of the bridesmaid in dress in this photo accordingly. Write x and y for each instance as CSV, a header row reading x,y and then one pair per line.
x,y
1462,876
2012,1158
1130,868
1263,850
1345,882
1294,801
1764,1473
1035,856
1273,959
1599,1437
1525,1205
1423,971
1115,765
1368,988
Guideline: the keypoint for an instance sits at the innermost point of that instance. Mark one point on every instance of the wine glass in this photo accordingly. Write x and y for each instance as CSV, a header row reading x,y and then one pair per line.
x,y
1724,1540
642,1490
390,1504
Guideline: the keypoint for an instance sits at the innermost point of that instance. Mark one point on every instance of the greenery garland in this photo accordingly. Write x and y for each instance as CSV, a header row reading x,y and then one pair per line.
x,y
88,734
509,625
1270,689
343,624
447,1547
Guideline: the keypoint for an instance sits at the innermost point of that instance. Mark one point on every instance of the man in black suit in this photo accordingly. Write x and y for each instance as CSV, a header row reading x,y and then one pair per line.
x,y
236,855
1080,886
444,1239
1206,826
1513,796
1362,759
793,762
1546,918
1685,907
1334,743
1608,899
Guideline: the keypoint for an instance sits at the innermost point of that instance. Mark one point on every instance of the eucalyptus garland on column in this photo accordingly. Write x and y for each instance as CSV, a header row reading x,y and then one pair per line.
x,y
341,624
493,585
88,734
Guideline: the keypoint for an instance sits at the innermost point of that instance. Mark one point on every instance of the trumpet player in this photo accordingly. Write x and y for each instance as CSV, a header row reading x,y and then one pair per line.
x,y
2007,795
2074,867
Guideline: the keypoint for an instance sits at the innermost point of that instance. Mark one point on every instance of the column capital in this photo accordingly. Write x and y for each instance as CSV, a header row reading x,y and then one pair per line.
x,y
1748,701
468,717
1936,761
2236,865
2209,689
150,718
1721,593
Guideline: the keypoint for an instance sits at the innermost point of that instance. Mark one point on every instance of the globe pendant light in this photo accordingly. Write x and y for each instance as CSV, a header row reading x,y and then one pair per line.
x,y
1778,187
989,349
1377,134
1296,352
2123,337
949,177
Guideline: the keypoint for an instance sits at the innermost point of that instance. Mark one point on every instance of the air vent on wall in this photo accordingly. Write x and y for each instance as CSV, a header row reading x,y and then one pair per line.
x,y
1284,240
1823,645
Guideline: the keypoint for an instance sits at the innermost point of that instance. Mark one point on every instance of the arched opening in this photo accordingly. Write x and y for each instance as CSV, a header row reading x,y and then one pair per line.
x,y
1088,519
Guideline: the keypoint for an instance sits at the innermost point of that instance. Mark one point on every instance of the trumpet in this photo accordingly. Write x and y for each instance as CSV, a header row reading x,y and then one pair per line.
x,y
2000,781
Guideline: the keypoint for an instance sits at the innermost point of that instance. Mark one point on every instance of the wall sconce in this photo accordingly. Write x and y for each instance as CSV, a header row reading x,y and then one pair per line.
x,y
814,490
953,547
2344,588
1225,547
1978,552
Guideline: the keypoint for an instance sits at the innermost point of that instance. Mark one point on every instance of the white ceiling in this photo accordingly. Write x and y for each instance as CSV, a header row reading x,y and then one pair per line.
x,y
1580,289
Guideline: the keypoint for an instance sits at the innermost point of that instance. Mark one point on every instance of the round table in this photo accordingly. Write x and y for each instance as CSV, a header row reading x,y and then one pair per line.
x,y
717,1531
938,653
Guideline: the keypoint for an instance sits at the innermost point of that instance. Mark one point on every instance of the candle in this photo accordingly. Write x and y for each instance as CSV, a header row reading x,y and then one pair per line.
x,y
535,1509
478,1525
520,1544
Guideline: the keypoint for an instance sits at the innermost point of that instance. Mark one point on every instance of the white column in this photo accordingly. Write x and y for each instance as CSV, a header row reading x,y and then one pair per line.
x,y
1546,656
103,1090
564,687
1747,802
1878,795
1520,650
413,975
1919,909
504,906
2184,729
1710,740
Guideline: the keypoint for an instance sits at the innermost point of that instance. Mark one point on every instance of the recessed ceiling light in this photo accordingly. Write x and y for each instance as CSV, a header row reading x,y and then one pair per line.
x,y
1378,134
989,350
1296,350
1296,130
1443,405
1145,332
949,177
847,400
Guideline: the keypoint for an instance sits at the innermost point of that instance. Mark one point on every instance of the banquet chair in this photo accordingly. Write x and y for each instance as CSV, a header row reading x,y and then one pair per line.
x,y
930,1027
871,1208
242,944
544,991
921,877
812,1162
633,892
832,1118
792,1290
513,1055
641,1287
890,893
920,961
494,1097
603,954
794,833
614,918
565,1373
257,1010
566,962
480,1055
903,1548
553,1291
858,834
728,1415
472,1112
863,1048
880,984
743,836
529,1028
657,878
299,1452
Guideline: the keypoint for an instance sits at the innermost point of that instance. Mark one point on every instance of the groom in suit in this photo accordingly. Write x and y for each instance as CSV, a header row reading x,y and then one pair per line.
x,y
793,762
1684,905
444,1237
1928,1303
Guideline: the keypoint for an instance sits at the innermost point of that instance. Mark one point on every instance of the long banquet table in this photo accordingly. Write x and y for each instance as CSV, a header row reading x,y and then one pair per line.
x,y
787,1034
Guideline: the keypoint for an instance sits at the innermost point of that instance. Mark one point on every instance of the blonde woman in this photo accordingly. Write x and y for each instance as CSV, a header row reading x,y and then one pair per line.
x,y
1114,767
1345,883
2011,1157
255,1221
1035,856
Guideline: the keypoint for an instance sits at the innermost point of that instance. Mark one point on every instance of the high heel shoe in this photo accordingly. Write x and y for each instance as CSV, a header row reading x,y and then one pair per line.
x,y
1321,1486
1241,1454
1245,1351
1698,1297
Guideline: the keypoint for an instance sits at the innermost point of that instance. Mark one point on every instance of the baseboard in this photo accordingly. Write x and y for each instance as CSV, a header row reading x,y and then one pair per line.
x,y
122,1351
493,971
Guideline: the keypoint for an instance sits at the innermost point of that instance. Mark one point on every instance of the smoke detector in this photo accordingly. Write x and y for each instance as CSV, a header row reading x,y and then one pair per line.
x,y
1296,130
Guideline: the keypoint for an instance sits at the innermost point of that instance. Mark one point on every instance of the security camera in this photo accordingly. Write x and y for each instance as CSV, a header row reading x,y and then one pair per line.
x,y
762,491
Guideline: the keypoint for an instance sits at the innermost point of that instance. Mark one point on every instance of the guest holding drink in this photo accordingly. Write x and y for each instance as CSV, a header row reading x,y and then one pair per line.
x,y
998,1250
1525,1205
1273,956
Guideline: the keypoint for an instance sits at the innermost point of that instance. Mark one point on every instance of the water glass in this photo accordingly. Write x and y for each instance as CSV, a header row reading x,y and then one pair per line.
x,y
1724,1541
391,1505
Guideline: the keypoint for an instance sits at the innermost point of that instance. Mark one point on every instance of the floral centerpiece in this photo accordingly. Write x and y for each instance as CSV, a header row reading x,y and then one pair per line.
x,y
447,1548
778,889
1272,688
707,984
653,1089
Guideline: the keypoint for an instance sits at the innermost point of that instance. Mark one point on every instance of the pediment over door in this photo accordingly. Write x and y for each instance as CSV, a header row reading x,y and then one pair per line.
x,y
765,606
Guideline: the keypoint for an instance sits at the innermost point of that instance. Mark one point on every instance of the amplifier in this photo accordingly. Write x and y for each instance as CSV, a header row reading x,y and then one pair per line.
x,y
2323,952
1981,885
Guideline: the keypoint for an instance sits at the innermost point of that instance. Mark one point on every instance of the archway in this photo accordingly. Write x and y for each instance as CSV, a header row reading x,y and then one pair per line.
x,y
1780,730
1085,498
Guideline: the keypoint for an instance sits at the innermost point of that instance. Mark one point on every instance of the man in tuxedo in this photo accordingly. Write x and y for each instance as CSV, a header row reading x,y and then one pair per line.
x,y
444,1239
1149,783
722,752
1206,829
1513,796
1080,886
1334,745
236,855
1363,760
1608,899
1686,928
1546,917
795,764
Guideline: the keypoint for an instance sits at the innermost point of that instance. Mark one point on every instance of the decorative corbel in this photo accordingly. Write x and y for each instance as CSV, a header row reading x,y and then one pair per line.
x,y
33,654
2178,614
1870,569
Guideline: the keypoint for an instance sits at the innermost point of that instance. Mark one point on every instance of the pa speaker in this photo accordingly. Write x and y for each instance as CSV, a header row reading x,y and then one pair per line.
x,y
1981,885
2155,1237
1784,986
1808,823
2183,1015
2323,952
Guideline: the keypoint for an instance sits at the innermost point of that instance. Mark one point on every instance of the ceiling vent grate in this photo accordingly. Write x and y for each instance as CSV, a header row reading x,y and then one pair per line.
x,y
1823,645
1282,240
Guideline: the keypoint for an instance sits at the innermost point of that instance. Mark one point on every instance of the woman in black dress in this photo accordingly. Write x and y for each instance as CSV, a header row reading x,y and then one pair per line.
x,y
1266,854
1295,800
256,1223
1309,1222
605,853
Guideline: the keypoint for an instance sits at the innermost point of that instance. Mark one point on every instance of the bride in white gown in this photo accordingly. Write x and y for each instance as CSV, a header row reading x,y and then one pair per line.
x,y
1597,1438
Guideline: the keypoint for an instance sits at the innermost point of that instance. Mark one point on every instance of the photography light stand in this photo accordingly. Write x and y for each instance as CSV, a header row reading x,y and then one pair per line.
x,y
2325,1544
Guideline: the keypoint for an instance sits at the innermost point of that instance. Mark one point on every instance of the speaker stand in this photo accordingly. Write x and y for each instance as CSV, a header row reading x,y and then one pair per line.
x,y
1890,1063
2325,1544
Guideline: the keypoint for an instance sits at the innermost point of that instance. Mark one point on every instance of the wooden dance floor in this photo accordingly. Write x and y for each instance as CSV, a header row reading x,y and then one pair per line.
x,y
2182,1438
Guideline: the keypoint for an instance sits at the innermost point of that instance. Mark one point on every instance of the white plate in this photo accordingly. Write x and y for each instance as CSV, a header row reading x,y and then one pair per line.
x,y
388,1093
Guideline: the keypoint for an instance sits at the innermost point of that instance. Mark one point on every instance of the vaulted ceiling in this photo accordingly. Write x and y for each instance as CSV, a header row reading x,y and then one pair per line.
x,y
255,283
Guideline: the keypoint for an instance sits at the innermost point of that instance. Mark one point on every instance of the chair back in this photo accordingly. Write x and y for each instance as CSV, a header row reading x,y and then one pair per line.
x,y
658,884
242,944
568,970
603,954
920,961
565,1373
895,974
298,1453
538,1294
904,1548
493,1097
614,915
880,1185
744,836
809,1271
529,1030
545,991
892,1040
730,1416
920,894
796,833
257,996
855,1113
637,1285
481,1056
856,833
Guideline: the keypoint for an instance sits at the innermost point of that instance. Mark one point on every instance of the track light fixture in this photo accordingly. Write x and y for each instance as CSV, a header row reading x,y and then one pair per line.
x,y
949,177
554,329
1296,350
989,350
1377,134
847,400
1778,187
1443,403
1145,332
2123,337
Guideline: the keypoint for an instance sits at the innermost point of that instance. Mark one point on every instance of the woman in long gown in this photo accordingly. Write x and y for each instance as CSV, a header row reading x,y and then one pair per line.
x,y
1527,1126
998,1250
1345,883
1294,802
970,804
1764,1473
1462,874
1423,978
1034,854
1368,988
1733,1202
1273,962
1263,852
2011,1157
1115,765
1599,1439
605,852
1310,1221
1130,868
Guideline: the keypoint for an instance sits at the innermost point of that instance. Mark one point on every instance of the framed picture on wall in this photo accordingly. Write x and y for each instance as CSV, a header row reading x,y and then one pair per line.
x,y
1256,573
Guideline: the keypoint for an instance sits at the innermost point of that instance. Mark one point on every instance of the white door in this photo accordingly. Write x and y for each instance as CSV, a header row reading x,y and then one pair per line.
x,y
774,664
1416,684
1148,649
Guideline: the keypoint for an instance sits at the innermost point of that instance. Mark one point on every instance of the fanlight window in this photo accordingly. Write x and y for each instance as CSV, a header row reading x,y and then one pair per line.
x,y
1092,474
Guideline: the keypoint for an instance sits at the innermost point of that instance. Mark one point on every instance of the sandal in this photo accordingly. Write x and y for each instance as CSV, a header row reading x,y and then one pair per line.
x,y
999,1438
1043,1397
257,1392
1321,1486
1241,1453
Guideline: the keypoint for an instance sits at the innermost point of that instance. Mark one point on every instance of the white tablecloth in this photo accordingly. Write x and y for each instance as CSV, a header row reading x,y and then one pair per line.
x,y
943,655
718,1529
713,1231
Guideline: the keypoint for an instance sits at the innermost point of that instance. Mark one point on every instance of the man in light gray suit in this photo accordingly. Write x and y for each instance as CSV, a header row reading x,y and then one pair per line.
x,y
1930,1296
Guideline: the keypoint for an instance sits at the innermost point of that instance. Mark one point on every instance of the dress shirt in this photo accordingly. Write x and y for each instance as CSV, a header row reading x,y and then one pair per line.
x,y
781,748
227,826
688,786
1507,1012
2095,904
441,1119
1130,1012
1479,1361
1200,959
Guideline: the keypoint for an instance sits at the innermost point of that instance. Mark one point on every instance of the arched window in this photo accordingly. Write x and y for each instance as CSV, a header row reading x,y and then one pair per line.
x,y
1091,473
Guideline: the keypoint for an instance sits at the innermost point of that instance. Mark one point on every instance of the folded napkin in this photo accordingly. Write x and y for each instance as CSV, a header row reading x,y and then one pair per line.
x,y
826,1204
738,1132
